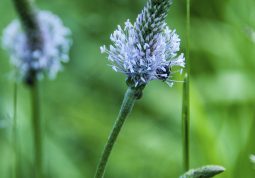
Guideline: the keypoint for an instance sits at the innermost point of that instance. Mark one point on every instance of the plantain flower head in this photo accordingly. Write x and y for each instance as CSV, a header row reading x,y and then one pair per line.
x,y
147,49
45,61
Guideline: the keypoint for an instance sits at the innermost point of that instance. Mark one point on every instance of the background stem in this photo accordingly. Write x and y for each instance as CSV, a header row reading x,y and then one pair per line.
x,y
29,21
185,126
14,131
36,121
186,101
127,105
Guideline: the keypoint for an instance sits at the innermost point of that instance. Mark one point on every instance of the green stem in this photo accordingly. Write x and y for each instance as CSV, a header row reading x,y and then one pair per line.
x,y
28,18
188,36
186,101
127,105
185,126
36,121
14,131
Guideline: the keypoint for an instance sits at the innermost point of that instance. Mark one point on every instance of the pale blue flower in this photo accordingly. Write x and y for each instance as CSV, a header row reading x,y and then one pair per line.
x,y
55,48
148,49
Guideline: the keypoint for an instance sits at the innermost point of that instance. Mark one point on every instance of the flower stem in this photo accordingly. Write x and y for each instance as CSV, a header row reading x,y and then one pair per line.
x,y
186,101
28,18
14,132
36,121
185,126
127,105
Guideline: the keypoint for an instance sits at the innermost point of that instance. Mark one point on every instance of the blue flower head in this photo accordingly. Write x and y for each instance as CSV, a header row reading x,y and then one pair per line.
x,y
45,61
147,49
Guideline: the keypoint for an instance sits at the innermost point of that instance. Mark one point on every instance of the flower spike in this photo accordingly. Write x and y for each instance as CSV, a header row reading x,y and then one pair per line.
x,y
148,49
47,60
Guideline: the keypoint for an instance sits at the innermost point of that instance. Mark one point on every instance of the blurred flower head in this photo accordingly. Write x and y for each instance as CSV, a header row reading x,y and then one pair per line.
x,y
147,49
55,47
252,158
250,33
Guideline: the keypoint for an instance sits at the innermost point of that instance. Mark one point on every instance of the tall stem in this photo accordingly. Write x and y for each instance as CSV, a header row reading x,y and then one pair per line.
x,y
186,92
14,132
188,35
36,121
185,125
29,21
127,105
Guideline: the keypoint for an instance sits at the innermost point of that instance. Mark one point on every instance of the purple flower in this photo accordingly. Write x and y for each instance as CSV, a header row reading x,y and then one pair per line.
x,y
148,49
55,48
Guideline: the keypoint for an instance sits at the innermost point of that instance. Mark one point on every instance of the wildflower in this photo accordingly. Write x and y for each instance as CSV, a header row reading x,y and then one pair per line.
x,y
47,60
146,50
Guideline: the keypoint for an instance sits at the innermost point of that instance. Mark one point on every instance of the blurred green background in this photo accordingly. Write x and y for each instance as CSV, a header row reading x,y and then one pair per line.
x,y
80,106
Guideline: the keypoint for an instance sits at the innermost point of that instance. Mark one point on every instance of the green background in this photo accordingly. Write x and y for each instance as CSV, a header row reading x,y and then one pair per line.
x,y
80,106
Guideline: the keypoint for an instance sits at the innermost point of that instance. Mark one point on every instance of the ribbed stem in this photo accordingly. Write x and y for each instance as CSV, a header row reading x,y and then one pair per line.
x,y
36,121
127,105
186,92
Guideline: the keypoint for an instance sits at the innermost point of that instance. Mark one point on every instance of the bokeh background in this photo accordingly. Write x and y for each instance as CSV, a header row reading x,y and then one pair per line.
x,y
80,106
